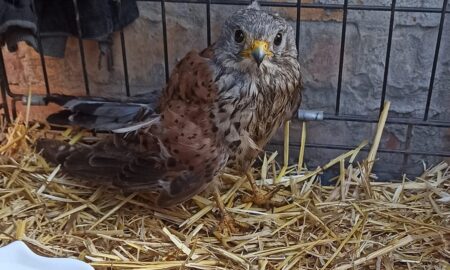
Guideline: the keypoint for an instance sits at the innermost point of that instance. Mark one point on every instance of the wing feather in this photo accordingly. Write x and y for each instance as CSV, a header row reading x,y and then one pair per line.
x,y
177,151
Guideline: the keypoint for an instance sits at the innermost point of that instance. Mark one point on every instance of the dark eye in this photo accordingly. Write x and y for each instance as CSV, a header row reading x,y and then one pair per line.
x,y
278,39
239,36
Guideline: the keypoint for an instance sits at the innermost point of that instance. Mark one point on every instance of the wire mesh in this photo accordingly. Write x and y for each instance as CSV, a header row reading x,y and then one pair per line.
x,y
393,8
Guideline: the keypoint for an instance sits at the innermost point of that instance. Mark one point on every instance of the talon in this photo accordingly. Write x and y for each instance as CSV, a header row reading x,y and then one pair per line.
x,y
259,197
228,225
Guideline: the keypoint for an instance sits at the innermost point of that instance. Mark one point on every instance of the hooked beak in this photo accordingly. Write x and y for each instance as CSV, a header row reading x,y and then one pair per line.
x,y
258,51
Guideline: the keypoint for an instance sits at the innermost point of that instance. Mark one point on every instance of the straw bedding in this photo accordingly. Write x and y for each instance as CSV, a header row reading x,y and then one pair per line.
x,y
356,224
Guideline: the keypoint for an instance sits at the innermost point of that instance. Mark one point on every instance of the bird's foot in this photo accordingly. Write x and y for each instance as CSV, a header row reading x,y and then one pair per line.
x,y
259,197
228,225
263,199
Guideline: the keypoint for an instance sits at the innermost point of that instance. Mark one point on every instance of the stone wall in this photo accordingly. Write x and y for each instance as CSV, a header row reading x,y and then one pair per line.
x,y
413,44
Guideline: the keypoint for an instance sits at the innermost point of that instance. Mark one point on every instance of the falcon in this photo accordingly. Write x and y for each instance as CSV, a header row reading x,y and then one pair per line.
x,y
220,108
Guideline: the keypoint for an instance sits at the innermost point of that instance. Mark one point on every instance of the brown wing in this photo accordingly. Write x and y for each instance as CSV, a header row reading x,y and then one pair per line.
x,y
135,158
188,129
179,155
191,81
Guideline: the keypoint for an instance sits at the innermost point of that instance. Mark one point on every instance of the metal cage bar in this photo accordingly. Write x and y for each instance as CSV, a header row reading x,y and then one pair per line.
x,y
4,78
341,57
307,5
125,63
435,61
124,55
80,43
390,120
367,148
297,25
208,22
388,55
3,85
41,53
164,29
407,148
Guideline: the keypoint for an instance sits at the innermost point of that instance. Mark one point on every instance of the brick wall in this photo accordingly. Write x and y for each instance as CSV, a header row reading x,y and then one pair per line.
x,y
411,60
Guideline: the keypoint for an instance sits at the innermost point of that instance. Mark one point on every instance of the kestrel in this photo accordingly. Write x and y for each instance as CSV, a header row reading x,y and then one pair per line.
x,y
220,107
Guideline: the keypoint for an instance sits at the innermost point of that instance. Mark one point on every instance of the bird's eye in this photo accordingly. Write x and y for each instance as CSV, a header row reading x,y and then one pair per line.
x,y
239,36
278,39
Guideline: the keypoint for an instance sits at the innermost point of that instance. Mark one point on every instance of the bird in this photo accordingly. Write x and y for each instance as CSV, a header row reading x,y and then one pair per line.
x,y
220,107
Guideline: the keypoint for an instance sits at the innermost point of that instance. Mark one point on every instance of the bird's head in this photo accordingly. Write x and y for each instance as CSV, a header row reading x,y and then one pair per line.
x,y
252,38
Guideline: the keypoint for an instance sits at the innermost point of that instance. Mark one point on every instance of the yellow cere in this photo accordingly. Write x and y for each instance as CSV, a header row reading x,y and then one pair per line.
x,y
255,45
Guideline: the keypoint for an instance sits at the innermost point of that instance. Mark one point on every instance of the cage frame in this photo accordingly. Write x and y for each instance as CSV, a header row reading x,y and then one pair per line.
x,y
9,99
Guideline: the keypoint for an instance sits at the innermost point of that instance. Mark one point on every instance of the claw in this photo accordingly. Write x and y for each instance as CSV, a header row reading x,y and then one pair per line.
x,y
259,197
228,225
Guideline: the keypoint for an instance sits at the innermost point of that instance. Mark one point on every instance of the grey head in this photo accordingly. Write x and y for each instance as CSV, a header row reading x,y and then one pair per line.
x,y
252,38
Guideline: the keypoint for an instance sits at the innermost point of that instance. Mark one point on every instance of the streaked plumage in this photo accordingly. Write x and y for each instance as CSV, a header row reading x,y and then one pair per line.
x,y
221,106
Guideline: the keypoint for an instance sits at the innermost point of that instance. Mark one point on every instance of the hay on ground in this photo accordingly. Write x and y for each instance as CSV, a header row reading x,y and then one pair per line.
x,y
356,224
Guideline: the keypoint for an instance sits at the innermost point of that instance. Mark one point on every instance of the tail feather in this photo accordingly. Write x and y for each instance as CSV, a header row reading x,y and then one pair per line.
x,y
120,115
54,151
99,163
131,170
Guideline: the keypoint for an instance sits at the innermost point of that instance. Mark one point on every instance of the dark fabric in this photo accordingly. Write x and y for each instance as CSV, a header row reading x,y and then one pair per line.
x,y
98,18
58,20
17,23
